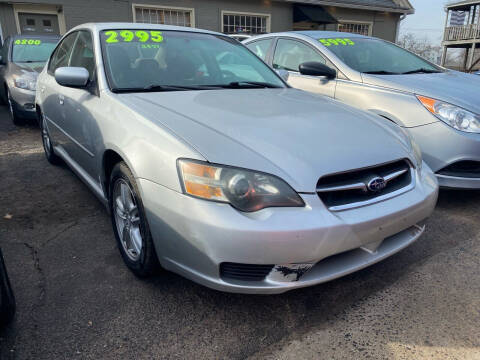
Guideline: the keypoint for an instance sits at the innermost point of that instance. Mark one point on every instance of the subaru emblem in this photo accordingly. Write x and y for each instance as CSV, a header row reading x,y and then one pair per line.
x,y
376,184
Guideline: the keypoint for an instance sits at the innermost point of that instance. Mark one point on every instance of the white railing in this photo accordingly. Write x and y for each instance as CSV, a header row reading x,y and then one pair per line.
x,y
465,32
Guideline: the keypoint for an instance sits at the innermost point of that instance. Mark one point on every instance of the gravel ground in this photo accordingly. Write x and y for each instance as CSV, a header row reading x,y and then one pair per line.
x,y
76,299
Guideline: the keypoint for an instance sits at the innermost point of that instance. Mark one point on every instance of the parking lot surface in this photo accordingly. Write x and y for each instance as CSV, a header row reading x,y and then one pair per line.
x,y
76,299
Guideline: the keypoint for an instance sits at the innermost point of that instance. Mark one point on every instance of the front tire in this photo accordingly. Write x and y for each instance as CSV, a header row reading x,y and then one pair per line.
x,y
16,119
47,142
130,224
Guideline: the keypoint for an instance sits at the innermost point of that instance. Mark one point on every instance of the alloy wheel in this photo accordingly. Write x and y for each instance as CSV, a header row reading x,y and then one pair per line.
x,y
127,219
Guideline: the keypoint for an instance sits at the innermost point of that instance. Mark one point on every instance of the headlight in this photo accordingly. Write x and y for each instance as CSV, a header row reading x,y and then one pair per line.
x,y
452,115
246,190
25,83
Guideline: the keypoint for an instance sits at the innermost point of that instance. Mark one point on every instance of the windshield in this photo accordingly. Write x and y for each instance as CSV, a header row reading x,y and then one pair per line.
x,y
377,56
150,60
32,50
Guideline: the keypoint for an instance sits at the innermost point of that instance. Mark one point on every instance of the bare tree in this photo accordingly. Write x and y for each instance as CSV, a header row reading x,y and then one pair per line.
x,y
420,46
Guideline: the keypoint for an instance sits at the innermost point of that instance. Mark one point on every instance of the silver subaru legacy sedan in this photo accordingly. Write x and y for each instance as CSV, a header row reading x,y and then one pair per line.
x,y
214,168
439,107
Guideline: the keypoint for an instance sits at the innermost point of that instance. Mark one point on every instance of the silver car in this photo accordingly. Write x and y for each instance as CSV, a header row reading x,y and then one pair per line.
x,y
440,107
226,176
22,58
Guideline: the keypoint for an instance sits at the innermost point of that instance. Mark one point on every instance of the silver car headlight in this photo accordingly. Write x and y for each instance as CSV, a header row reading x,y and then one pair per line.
x,y
452,115
25,83
245,190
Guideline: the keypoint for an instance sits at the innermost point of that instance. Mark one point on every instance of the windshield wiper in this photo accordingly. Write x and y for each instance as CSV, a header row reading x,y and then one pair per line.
x,y
421,70
381,72
247,84
160,88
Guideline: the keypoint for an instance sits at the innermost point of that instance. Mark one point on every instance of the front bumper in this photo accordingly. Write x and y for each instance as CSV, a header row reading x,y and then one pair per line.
x,y
24,102
193,237
442,146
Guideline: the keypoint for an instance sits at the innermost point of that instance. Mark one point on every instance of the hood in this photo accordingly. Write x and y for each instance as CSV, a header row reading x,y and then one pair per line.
x,y
287,132
31,69
451,86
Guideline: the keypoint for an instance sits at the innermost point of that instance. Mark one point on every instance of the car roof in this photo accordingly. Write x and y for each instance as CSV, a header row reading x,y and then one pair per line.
x,y
97,27
318,34
310,34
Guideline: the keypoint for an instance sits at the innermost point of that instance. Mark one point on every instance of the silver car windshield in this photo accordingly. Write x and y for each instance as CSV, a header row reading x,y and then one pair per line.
x,y
377,56
32,50
146,60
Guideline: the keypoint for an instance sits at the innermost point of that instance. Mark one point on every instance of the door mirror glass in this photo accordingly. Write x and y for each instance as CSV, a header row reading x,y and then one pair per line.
x,y
314,68
283,74
76,77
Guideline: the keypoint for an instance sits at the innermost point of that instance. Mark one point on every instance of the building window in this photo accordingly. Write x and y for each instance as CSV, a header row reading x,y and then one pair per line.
x,y
163,15
355,28
235,23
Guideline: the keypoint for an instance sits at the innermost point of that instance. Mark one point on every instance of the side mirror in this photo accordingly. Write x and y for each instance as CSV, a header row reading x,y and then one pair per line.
x,y
314,68
283,74
76,77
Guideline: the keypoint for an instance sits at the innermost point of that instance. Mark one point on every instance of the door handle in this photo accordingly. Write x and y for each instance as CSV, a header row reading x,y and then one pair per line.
x,y
61,99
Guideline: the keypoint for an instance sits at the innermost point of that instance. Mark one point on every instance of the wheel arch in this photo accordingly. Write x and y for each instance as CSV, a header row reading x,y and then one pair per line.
x,y
387,116
110,158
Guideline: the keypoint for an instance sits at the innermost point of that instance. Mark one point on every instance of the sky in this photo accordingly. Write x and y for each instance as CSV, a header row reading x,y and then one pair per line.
x,y
428,20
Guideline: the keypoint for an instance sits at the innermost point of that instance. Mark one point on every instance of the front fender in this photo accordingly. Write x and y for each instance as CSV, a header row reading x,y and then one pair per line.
x,y
151,152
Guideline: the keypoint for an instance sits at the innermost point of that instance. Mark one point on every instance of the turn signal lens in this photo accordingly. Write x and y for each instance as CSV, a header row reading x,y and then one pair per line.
x,y
246,190
202,180
428,103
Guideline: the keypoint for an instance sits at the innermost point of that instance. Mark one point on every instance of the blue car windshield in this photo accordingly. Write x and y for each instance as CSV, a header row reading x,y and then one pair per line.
x,y
143,59
32,50
377,56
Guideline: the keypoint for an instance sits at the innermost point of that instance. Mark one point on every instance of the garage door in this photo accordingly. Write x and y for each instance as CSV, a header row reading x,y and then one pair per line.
x,y
38,24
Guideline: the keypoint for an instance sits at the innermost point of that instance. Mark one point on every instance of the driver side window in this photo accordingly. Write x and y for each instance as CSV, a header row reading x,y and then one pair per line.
x,y
260,47
82,53
61,55
289,54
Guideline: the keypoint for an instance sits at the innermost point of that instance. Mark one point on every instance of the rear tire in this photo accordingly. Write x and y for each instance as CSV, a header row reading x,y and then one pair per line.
x,y
130,224
16,119
47,142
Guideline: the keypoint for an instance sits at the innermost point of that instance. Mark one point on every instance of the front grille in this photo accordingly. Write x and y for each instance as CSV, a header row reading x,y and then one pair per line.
x,y
245,272
339,191
467,169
